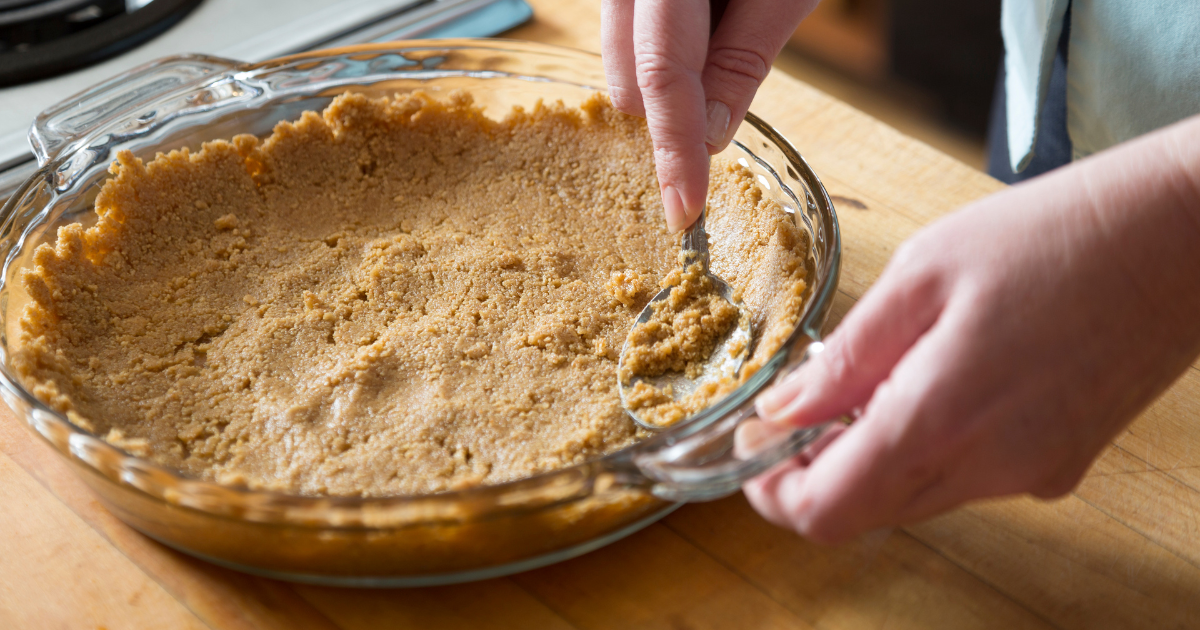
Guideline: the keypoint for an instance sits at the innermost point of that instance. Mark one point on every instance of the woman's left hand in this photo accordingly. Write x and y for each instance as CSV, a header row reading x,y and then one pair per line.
x,y
1003,347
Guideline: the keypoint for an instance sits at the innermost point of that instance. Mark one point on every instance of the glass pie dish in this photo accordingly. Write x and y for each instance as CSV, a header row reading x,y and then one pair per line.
x,y
398,540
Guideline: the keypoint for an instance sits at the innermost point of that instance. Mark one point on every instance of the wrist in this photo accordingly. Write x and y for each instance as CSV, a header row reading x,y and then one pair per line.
x,y
1145,197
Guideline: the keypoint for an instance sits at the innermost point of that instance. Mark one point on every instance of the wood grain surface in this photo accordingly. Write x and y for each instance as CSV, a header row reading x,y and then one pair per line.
x,y
1122,551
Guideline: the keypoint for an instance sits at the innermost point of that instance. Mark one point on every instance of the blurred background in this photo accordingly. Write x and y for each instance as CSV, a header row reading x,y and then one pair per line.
x,y
926,67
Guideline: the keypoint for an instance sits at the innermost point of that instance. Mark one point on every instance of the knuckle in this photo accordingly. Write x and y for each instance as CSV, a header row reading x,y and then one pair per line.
x,y
666,155
1059,483
625,99
923,283
815,515
822,531
674,151
917,255
658,72
1054,489
840,361
744,64
908,254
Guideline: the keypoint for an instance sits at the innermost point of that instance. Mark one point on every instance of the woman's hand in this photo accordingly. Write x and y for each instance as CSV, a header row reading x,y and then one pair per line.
x,y
1003,347
693,90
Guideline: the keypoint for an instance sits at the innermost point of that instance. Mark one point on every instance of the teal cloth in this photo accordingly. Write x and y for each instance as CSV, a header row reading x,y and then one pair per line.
x,y
1133,66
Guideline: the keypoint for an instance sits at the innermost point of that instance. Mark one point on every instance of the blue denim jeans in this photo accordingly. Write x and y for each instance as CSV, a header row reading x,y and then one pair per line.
x,y
1052,147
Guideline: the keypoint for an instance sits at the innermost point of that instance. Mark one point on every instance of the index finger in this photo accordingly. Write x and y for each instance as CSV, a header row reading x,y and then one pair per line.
x,y
670,44
893,454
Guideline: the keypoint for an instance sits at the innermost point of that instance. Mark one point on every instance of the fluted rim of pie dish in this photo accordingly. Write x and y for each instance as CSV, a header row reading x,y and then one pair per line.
x,y
547,489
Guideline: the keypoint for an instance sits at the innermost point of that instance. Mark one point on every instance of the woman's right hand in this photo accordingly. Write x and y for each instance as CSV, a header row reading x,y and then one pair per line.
x,y
693,89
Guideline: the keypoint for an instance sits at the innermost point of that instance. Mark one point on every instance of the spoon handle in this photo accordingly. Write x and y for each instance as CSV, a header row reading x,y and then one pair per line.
x,y
695,242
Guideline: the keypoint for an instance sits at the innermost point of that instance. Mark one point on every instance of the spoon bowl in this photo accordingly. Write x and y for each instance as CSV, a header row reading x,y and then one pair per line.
x,y
727,355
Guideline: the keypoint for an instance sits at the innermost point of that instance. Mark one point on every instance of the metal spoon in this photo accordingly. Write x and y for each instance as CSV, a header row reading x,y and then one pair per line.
x,y
722,363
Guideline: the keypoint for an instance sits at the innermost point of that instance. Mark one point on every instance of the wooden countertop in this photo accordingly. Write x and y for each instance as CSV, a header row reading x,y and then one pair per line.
x,y
1121,551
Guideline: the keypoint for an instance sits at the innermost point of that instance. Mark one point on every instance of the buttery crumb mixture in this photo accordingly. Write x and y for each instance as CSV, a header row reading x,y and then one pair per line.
x,y
683,329
395,296
680,335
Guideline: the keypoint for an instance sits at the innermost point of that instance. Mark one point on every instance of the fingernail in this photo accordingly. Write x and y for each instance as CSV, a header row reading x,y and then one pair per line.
x,y
770,402
773,404
752,437
674,210
718,123
749,438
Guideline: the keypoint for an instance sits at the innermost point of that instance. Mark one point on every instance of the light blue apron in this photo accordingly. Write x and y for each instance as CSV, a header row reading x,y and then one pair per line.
x,y
1133,66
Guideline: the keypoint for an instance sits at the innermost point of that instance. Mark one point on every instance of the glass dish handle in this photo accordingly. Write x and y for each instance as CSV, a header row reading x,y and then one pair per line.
x,y
705,465
69,122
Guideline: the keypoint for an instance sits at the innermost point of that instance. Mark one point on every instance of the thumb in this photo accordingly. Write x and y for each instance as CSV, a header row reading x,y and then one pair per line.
x,y
859,355
740,53
669,43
